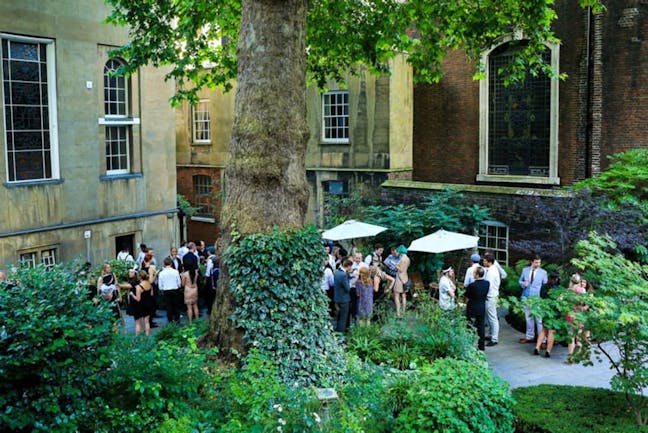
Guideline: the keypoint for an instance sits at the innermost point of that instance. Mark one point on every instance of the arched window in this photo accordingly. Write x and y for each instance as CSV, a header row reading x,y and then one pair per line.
x,y
518,122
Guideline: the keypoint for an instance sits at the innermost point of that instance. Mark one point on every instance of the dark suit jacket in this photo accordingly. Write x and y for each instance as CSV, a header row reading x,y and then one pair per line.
x,y
341,287
190,261
476,292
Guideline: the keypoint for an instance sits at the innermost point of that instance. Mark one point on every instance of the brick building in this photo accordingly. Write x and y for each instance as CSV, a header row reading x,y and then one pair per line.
x,y
499,144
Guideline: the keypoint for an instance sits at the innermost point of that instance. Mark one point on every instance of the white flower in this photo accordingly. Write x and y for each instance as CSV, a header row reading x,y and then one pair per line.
x,y
279,428
317,417
282,421
412,365
278,407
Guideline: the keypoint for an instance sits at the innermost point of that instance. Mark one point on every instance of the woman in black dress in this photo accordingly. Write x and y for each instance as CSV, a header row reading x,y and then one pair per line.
x,y
476,293
141,303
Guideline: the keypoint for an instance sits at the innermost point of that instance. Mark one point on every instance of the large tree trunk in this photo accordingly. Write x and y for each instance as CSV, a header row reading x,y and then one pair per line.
x,y
265,181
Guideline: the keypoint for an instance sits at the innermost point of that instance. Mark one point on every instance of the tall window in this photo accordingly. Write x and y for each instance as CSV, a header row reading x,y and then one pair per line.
x,y
519,126
493,236
29,105
202,187
335,117
201,122
118,124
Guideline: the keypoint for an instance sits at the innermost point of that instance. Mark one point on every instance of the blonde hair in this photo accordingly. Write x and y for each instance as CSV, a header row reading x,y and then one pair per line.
x,y
364,275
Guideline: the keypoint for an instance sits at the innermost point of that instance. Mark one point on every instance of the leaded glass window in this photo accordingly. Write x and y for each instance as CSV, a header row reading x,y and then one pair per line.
x,y
519,117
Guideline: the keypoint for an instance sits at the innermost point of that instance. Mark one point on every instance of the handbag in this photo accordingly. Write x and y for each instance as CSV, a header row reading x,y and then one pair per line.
x,y
406,285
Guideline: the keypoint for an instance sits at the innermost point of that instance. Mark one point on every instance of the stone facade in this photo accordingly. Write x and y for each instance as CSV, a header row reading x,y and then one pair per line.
x,y
379,142
83,209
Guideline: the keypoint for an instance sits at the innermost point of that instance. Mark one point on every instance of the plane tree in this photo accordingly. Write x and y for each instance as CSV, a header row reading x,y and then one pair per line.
x,y
273,48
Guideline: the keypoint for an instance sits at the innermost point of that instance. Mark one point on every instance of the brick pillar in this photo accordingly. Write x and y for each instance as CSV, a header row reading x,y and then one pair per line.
x,y
596,96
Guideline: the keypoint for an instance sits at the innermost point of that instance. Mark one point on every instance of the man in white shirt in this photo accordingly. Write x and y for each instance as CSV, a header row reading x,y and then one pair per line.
x,y
493,277
169,285
124,255
469,278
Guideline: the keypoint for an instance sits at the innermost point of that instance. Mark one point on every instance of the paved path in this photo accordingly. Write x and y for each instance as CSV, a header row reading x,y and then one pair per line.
x,y
516,364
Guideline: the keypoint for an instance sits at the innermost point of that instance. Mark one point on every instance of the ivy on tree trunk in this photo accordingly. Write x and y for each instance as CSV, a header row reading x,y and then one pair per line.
x,y
265,181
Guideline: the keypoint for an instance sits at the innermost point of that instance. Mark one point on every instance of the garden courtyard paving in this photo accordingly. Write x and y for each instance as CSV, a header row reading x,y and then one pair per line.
x,y
515,363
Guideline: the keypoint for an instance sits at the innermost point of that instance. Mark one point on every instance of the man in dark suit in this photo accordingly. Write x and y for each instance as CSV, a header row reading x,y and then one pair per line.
x,y
190,260
477,293
341,294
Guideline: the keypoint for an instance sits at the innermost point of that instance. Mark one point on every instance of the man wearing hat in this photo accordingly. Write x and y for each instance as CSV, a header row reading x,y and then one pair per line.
x,y
469,278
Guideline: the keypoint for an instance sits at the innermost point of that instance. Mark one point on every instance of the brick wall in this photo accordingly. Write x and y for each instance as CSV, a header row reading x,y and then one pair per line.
x,y
198,230
624,83
601,86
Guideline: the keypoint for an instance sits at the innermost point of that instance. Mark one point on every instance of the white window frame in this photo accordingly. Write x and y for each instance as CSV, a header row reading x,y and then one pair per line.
x,y
47,256
50,51
483,240
483,175
206,123
117,120
326,139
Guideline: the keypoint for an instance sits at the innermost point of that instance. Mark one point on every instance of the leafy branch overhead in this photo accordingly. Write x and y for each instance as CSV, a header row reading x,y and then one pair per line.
x,y
198,38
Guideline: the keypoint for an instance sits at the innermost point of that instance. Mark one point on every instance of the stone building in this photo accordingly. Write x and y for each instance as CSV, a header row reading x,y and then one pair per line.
x,y
86,161
499,144
360,134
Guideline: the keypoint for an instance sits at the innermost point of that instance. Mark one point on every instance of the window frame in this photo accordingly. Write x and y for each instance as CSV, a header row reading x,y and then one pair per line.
x,y
194,121
37,256
117,122
208,203
52,103
324,138
484,247
483,175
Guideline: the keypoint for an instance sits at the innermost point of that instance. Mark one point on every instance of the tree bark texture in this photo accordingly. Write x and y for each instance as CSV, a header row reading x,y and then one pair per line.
x,y
265,180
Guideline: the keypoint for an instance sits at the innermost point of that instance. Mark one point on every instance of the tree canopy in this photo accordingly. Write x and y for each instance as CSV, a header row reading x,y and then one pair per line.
x,y
198,38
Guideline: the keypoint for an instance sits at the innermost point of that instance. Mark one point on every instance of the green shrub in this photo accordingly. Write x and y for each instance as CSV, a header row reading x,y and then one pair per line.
x,y
155,381
572,409
454,396
425,333
276,281
54,347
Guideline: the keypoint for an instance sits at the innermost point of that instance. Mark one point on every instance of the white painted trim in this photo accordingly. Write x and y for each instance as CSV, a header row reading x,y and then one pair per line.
x,y
29,39
118,121
537,180
203,219
483,175
323,125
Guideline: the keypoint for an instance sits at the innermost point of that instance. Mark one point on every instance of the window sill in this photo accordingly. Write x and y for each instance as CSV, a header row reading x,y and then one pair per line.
x,y
43,182
201,143
111,177
518,179
335,143
119,121
203,219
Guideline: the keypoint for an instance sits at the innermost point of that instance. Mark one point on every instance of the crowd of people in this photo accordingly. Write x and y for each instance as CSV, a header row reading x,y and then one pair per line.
x,y
481,291
352,282
179,285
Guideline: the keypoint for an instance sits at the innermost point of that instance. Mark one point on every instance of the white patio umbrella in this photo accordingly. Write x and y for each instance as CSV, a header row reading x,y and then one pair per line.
x,y
442,241
352,229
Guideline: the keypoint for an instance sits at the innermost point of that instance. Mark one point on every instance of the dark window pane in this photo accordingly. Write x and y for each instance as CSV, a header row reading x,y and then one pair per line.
x,y
44,97
25,71
5,50
29,165
5,69
122,162
25,118
43,53
48,164
25,93
28,140
121,95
